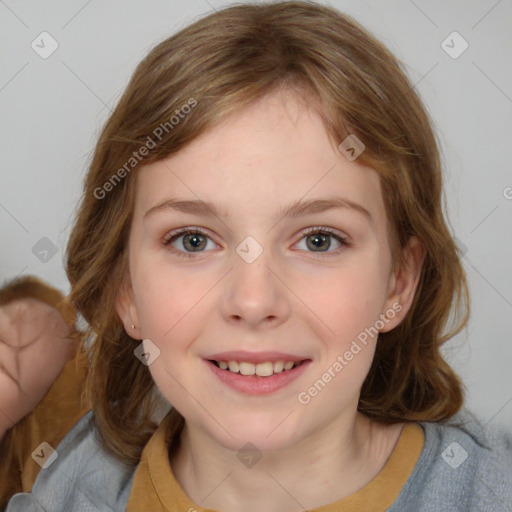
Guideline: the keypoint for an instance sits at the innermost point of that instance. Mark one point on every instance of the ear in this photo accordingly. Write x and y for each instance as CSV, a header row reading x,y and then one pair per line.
x,y
402,284
127,310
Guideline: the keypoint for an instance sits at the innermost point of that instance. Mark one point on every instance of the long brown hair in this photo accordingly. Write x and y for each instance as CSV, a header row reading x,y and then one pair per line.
x,y
221,63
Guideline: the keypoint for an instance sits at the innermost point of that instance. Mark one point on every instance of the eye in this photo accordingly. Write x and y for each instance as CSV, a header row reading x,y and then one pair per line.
x,y
318,239
193,240
187,241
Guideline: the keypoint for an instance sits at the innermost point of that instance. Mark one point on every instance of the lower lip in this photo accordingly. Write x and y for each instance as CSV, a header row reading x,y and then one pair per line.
x,y
254,385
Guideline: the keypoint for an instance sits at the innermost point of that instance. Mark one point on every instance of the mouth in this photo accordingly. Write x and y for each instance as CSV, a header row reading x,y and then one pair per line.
x,y
264,369
258,378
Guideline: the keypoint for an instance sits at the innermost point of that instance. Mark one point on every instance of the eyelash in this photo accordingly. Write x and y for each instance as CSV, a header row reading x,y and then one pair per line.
x,y
171,237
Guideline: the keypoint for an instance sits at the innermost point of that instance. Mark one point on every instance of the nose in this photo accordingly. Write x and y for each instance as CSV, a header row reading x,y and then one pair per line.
x,y
254,294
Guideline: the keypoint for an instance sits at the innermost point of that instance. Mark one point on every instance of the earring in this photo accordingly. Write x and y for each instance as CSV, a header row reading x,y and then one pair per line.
x,y
133,326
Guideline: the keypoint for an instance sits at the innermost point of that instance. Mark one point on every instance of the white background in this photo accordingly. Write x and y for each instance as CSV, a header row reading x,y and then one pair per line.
x,y
52,111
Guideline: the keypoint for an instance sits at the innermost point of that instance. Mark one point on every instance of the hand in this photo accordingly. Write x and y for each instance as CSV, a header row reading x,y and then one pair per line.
x,y
35,345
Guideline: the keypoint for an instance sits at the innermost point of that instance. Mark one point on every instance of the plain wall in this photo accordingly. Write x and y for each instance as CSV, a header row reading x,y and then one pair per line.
x,y
53,109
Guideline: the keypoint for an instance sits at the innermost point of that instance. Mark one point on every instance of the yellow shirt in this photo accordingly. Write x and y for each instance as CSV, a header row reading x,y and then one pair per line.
x,y
156,489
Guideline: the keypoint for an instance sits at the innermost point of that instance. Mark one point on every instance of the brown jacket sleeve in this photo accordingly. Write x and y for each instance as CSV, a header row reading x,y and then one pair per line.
x,y
55,415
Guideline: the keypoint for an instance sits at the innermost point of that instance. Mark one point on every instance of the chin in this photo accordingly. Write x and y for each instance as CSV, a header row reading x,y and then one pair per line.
x,y
265,434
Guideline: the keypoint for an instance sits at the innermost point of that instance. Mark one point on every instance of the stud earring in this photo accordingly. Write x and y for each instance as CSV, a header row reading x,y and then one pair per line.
x,y
133,326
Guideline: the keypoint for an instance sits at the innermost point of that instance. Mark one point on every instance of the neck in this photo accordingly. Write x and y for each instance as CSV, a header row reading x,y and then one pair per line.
x,y
335,463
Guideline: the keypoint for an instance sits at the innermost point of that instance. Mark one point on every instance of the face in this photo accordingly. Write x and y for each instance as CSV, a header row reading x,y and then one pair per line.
x,y
257,282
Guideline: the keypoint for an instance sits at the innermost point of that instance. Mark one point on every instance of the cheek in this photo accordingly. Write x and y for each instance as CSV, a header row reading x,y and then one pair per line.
x,y
348,300
169,305
168,299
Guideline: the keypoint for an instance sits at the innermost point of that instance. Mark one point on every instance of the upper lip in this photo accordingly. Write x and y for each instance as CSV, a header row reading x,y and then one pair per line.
x,y
254,357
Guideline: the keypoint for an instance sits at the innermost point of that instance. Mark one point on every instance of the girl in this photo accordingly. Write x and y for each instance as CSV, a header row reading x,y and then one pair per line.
x,y
261,243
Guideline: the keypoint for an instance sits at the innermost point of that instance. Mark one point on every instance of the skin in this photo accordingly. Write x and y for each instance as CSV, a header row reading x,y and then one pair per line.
x,y
35,345
291,298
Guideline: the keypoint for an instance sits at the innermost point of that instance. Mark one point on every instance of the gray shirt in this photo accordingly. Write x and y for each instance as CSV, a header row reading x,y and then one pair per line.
x,y
463,467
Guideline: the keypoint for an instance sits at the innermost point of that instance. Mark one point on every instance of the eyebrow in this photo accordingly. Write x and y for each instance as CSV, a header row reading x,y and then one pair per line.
x,y
296,209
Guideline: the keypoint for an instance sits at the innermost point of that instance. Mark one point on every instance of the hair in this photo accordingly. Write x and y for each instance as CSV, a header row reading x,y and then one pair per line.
x,y
219,64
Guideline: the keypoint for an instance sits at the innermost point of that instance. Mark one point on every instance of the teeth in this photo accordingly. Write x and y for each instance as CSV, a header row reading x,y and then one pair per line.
x,y
278,366
265,369
247,369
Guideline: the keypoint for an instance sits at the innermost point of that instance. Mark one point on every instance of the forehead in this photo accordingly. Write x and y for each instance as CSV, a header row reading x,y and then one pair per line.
x,y
259,159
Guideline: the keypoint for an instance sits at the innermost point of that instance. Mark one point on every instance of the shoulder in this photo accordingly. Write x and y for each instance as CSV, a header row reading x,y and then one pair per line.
x,y
465,465
78,475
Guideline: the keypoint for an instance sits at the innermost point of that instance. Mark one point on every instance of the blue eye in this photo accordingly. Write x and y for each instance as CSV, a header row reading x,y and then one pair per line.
x,y
318,239
195,240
